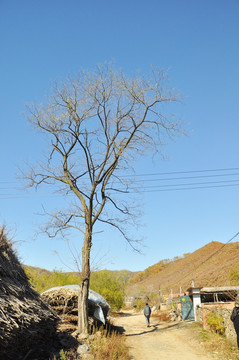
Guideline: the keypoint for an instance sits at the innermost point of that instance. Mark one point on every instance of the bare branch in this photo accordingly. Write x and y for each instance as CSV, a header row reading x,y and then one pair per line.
x,y
98,125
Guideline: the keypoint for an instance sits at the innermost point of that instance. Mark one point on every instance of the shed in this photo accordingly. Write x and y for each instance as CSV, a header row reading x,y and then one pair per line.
x,y
219,293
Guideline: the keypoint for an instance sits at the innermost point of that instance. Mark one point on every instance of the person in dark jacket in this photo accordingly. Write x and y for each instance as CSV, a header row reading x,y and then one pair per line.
x,y
235,318
147,313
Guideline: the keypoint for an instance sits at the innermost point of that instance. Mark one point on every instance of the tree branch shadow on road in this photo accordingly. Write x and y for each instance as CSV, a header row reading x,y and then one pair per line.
x,y
156,329
118,329
123,314
170,327
153,329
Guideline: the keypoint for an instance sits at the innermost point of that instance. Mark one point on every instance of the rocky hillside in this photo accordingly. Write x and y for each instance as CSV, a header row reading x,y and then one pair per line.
x,y
215,264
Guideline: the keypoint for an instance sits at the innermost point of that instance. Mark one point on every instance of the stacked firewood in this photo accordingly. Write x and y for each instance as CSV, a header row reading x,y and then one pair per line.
x,y
25,320
64,302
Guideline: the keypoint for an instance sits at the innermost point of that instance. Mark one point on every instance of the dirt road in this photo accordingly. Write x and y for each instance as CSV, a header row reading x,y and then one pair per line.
x,y
169,341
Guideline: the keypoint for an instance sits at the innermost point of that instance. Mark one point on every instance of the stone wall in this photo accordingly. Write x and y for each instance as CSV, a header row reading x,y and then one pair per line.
x,y
224,309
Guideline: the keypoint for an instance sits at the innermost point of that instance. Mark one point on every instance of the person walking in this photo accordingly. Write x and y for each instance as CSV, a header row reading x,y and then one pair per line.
x,y
235,318
147,313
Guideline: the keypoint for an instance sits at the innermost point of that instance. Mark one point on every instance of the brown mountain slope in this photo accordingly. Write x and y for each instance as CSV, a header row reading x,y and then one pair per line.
x,y
208,266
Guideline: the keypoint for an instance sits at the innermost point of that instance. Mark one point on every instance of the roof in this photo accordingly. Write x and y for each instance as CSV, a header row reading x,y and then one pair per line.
x,y
219,289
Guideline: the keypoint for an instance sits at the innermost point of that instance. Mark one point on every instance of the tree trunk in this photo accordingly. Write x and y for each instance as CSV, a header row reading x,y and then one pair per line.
x,y
84,286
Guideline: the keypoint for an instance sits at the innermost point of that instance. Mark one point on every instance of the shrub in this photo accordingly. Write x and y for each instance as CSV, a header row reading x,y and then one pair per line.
x,y
44,280
234,276
216,323
139,304
110,286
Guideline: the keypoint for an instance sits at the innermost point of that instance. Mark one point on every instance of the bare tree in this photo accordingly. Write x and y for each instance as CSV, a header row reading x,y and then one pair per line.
x,y
98,124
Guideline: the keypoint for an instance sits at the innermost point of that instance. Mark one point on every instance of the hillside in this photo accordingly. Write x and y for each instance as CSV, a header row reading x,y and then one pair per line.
x,y
43,279
210,265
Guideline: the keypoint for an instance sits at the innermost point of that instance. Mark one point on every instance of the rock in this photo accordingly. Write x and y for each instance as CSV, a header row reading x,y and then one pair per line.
x,y
82,349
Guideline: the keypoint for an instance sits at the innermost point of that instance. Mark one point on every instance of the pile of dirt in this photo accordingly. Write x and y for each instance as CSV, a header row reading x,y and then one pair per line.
x,y
27,324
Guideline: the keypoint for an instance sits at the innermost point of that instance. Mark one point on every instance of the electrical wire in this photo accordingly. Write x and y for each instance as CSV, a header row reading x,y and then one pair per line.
x,y
146,188
155,174
213,254
181,172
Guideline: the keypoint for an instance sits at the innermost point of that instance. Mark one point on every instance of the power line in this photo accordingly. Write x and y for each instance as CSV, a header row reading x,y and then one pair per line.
x,y
234,236
180,172
185,188
213,254
186,177
145,188
188,184
159,173
131,191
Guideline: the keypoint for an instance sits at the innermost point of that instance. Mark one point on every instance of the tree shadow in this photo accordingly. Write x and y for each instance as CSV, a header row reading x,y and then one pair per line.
x,y
121,314
118,329
175,325
153,328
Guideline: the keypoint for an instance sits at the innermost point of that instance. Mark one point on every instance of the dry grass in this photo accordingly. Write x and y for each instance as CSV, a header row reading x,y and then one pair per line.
x,y
205,264
162,316
109,346
104,344
218,345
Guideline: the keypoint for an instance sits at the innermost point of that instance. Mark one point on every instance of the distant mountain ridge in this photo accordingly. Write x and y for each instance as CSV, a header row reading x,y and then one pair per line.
x,y
211,265
215,264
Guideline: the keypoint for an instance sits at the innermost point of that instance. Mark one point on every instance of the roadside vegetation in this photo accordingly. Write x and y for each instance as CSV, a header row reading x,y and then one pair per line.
x,y
102,346
215,342
109,346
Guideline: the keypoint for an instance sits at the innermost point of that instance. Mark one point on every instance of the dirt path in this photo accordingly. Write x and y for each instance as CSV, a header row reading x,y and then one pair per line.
x,y
169,341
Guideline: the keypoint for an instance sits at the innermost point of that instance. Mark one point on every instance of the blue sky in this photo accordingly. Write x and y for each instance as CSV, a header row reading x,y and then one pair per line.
x,y
197,43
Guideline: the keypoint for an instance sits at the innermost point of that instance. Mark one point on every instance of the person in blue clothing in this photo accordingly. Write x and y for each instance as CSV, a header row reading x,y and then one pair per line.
x,y
147,313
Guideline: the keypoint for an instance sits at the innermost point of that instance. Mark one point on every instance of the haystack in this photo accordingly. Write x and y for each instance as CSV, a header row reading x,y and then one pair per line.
x,y
64,301
26,322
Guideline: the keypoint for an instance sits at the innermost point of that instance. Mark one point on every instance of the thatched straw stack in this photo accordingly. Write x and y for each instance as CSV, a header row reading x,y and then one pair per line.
x,y
64,302
26,323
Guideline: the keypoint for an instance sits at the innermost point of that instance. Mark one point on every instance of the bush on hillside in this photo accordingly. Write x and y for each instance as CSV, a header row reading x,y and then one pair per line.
x,y
234,275
42,281
110,286
107,284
